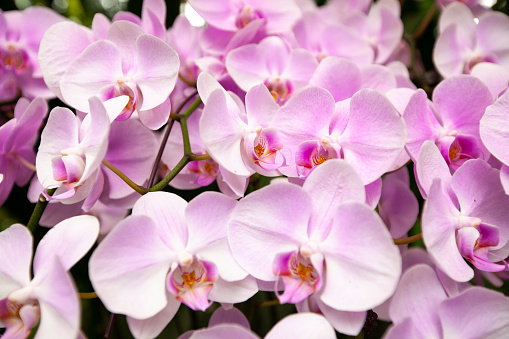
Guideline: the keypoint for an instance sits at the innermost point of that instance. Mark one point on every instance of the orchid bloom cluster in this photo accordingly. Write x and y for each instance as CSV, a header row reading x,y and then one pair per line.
x,y
317,157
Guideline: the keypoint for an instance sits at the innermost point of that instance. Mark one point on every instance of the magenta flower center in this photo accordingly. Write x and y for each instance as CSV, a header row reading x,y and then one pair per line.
x,y
14,58
191,283
280,89
246,15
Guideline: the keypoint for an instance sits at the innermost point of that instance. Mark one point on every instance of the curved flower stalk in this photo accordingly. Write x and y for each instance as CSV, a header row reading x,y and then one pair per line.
x,y
168,252
199,173
17,139
51,296
465,216
321,240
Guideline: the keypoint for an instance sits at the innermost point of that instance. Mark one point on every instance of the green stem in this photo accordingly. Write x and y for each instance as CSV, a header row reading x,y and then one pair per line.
x,y
171,120
38,211
173,173
425,21
185,136
132,184
192,108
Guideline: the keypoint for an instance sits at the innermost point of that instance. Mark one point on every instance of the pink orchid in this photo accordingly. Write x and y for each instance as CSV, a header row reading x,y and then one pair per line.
x,y
202,172
452,121
20,35
398,206
232,15
51,295
324,39
316,240
273,63
71,151
240,139
464,216
314,130
495,137
297,326
421,308
462,43
17,139
165,253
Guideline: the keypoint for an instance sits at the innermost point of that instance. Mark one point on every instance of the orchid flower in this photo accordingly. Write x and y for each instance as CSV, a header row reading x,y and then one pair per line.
x,y
316,240
166,253
51,295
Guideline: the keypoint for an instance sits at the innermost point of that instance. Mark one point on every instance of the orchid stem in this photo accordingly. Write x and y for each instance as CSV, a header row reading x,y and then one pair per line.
x,y
38,211
425,22
132,184
88,295
404,241
173,173
185,136
192,108
188,154
171,120
269,303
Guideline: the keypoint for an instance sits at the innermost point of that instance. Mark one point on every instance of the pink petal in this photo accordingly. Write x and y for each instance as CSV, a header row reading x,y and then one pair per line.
x,y
477,313
221,130
231,316
69,240
365,142
58,300
417,298
222,331
341,77
61,132
378,77
15,257
95,140
128,269
61,44
167,212
153,326
158,66
207,216
99,65
260,106
248,67
330,185
301,326
131,149
352,264
481,195
447,54
267,222
438,231
349,323
461,101
431,165
233,292
493,134
156,117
